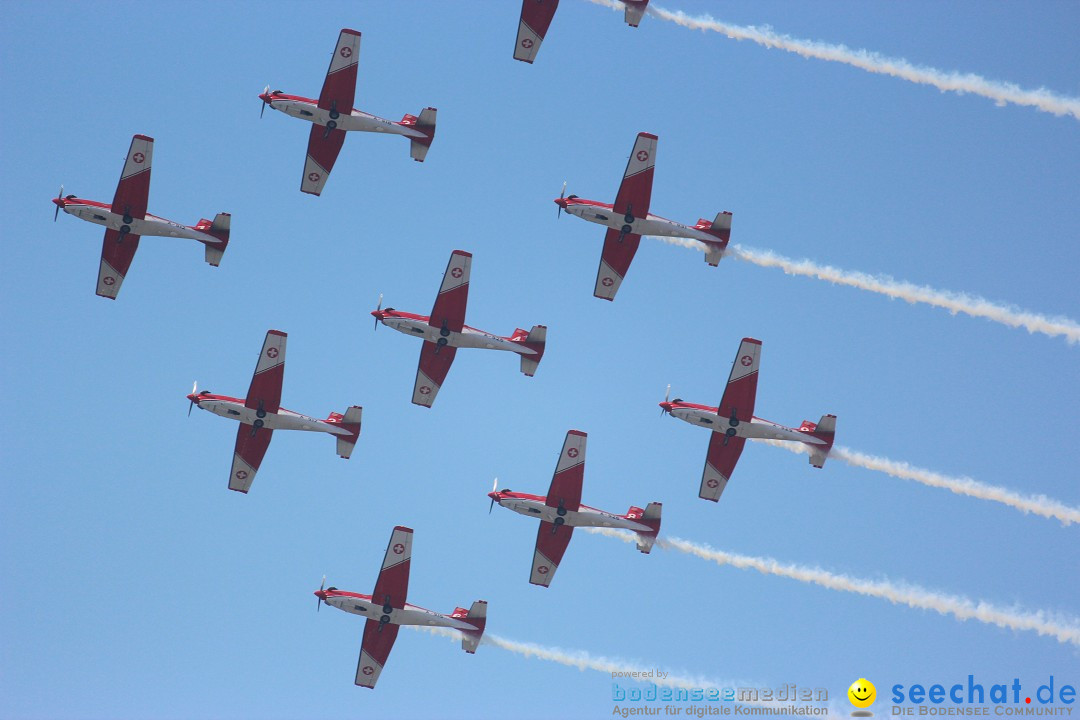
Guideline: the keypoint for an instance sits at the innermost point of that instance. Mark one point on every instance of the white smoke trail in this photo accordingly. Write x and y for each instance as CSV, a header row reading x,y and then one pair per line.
x,y
1064,630
584,661
883,284
580,659
1037,504
1001,93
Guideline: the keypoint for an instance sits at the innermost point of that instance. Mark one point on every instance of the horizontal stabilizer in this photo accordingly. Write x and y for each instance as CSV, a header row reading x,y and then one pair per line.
x,y
536,340
418,147
825,431
650,517
470,639
350,421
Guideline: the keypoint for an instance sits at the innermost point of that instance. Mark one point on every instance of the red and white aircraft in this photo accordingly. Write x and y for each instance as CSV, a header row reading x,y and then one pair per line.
x,y
260,414
561,511
536,17
444,331
629,218
386,609
734,421
126,220
333,114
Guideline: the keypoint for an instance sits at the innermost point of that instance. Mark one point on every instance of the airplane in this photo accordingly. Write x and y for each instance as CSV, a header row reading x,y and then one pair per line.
x,y
444,331
629,218
536,17
561,511
386,609
126,220
333,114
260,414
734,421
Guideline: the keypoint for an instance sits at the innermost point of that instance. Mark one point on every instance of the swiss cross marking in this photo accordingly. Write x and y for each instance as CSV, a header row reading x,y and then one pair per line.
x,y
272,352
642,155
313,177
746,360
457,272
425,390
713,482
368,670
346,52
572,452
138,158
398,548
109,280
543,569
241,474
527,43
607,282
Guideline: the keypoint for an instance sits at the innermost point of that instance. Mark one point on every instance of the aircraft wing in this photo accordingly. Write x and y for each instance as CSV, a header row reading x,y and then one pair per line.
x,y
133,190
720,461
634,10
374,651
741,389
737,403
393,583
265,390
635,191
565,487
431,372
551,542
116,257
339,88
535,18
322,151
614,262
251,444
449,309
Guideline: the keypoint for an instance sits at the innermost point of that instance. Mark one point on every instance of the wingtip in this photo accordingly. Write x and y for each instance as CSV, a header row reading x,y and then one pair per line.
x,y
147,138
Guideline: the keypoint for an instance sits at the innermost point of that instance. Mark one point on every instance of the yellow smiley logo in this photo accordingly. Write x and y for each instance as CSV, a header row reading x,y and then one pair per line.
x,y
862,693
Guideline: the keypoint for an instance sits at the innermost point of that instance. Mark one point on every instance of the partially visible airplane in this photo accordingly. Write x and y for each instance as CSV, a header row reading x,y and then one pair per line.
x,y
333,114
444,331
260,414
532,27
386,609
635,9
126,220
536,17
733,422
561,511
629,218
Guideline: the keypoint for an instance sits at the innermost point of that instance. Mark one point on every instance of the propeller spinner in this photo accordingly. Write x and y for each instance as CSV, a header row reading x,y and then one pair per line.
x,y
194,391
265,91
59,203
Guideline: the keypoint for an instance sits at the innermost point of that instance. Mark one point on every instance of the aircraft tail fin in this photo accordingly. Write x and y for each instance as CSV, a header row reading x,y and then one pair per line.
x,y
720,228
350,421
477,617
535,340
219,228
418,147
649,516
824,430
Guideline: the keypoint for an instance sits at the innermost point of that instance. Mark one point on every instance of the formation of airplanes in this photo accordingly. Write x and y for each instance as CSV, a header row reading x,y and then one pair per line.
x,y
443,332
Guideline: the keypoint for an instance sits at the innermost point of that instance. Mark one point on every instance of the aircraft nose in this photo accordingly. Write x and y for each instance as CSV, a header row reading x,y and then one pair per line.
x,y
58,202
561,202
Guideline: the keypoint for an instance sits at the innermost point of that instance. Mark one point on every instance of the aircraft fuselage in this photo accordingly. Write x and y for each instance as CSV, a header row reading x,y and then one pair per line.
x,y
152,225
355,121
604,214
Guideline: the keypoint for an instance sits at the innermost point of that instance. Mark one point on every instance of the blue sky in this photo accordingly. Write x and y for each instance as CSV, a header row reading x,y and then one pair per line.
x,y
136,585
